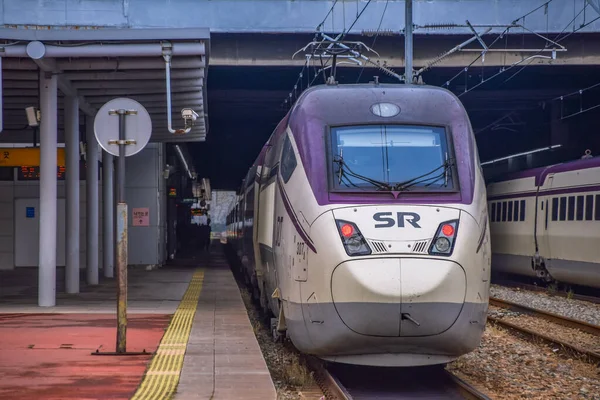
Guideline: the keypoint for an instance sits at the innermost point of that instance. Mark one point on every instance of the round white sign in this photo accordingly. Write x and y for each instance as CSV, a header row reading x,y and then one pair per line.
x,y
138,126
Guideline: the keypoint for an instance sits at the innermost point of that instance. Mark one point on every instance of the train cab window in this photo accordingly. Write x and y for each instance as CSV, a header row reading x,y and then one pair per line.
x,y
555,209
516,208
563,209
387,156
571,212
493,214
510,211
522,209
504,206
597,214
589,207
288,160
579,211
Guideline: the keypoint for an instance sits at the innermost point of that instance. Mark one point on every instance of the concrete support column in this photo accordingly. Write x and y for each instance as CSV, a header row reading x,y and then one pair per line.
x,y
107,215
72,186
92,203
48,202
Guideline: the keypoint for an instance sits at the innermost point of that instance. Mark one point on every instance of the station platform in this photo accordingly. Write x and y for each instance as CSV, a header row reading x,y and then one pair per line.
x,y
189,316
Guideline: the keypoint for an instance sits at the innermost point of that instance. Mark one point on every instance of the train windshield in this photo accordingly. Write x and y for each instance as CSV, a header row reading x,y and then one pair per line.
x,y
391,157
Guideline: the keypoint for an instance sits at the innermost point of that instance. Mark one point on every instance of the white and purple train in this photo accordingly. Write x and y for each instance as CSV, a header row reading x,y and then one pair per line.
x,y
545,223
363,226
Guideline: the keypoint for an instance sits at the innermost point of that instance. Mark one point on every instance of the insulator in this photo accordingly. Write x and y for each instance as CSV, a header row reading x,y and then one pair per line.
x,y
440,26
382,32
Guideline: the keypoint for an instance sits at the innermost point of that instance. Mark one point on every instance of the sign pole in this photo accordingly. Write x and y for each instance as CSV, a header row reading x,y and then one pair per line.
x,y
121,241
104,127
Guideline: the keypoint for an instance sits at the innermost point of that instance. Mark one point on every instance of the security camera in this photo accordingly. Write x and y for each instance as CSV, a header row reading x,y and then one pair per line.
x,y
189,115
33,116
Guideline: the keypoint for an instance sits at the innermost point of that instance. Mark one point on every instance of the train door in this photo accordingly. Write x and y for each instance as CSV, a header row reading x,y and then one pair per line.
x,y
543,219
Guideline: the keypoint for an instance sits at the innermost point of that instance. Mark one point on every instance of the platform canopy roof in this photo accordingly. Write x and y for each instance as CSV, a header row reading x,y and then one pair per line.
x,y
98,65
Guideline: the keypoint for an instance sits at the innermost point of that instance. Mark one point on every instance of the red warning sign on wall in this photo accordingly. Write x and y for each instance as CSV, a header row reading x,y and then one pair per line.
x,y
141,217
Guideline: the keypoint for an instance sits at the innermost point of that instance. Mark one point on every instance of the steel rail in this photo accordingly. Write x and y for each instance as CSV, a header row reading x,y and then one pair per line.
x,y
467,390
591,355
558,319
331,387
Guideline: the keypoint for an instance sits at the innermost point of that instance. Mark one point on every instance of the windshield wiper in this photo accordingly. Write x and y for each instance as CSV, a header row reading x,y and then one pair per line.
x,y
345,171
401,186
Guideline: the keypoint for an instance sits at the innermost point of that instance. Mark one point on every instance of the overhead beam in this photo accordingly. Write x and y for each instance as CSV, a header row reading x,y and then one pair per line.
x,y
135,84
109,50
195,73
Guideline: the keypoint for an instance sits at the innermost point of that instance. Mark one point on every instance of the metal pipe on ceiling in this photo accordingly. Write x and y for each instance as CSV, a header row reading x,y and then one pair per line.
x,y
36,49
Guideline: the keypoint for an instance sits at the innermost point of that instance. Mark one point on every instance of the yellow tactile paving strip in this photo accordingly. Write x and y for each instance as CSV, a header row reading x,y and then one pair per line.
x,y
162,375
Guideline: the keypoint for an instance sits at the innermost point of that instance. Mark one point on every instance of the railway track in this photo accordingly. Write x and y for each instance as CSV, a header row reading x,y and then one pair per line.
x,y
593,356
346,382
536,288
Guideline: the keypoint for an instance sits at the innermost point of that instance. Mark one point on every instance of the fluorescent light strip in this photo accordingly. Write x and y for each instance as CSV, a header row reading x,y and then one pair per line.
x,y
182,158
522,154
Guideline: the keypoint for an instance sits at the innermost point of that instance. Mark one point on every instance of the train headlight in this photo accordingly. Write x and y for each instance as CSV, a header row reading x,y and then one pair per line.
x,y
442,245
444,239
353,241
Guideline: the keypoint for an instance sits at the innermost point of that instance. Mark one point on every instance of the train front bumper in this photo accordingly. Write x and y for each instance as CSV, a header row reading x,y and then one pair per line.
x,y
396,297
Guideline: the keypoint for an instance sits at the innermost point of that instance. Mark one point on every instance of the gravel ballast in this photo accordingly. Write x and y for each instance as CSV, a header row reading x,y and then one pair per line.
x,y
507,367
576,309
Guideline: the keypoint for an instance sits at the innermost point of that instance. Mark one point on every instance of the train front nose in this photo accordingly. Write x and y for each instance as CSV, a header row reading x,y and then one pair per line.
x,y
401,296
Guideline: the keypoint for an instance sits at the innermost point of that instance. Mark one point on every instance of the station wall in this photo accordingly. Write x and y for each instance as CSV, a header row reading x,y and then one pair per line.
x,y
146,188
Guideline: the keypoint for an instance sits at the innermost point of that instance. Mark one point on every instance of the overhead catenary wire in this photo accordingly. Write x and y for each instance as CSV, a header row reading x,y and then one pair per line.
x,y
317,31
556,40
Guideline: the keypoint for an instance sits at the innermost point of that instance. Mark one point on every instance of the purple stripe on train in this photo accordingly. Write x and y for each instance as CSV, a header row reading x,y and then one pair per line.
x,y
294,219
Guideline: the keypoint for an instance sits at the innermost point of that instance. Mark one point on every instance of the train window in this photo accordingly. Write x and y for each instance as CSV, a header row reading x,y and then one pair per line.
x,y
571,213
516,215
563,209
391,155
498,212
493,214
504,205
510,211
589,207
522,216
555,209
288,160
597,216
579,212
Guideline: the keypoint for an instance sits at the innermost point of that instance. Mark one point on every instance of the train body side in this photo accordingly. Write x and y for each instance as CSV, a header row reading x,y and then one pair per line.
x,y
555,235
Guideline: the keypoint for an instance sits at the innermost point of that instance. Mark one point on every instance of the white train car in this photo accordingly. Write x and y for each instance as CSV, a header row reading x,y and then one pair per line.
x,y
372,226
545,223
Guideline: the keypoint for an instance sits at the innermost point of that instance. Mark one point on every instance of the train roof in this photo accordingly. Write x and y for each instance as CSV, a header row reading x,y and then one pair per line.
x,y
341,104
541,173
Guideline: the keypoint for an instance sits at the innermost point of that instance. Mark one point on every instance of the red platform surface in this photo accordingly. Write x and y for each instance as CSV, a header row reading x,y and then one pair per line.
x,y
48,356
